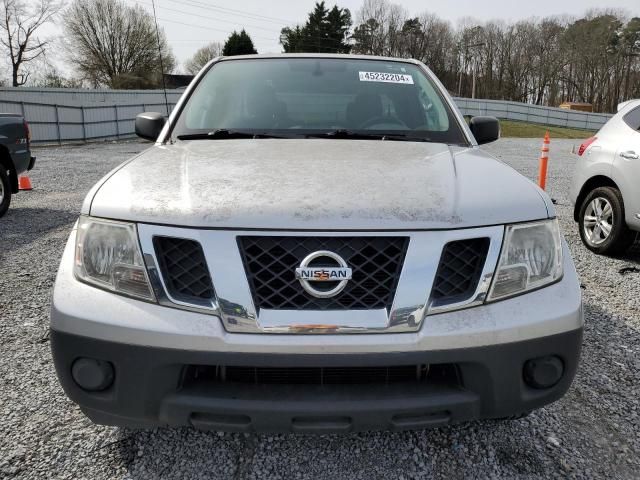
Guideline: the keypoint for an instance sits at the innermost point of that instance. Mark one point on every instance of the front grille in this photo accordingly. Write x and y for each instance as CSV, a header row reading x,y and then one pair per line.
x,y
459,270
270,264
184,269
322,376
200,375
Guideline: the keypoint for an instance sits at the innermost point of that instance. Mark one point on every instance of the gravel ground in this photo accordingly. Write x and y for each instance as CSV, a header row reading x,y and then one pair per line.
x,y
591,432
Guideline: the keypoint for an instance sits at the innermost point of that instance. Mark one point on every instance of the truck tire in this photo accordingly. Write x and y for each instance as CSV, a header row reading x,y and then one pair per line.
x,y
5,192
603,228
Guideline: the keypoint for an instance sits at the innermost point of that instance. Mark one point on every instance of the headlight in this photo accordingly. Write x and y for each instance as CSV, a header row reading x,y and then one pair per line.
x,y
531,258
108,256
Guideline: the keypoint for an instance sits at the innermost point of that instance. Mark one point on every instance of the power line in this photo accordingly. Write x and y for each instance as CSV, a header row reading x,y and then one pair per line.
x,y
243,13
208,28
253,16
335,50
210,18
316,40
233,11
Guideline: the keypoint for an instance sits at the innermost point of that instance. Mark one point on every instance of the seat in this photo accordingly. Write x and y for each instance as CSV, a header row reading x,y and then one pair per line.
x,y
364,107
265,110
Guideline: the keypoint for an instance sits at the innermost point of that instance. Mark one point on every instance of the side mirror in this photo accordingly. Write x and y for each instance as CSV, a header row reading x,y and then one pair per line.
x,y
485,129
149,125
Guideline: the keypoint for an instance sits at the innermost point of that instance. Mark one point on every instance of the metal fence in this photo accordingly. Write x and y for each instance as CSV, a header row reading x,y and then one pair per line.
x,y
84,97
66,123
70,115
525,112
58,115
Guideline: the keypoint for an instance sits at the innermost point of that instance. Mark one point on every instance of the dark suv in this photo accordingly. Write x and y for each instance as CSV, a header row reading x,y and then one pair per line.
x,y
15,155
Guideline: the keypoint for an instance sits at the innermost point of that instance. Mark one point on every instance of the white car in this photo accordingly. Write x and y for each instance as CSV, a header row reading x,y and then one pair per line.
x,y
606,183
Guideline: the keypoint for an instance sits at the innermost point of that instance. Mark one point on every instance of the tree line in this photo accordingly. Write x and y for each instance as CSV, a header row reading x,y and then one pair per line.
x,y
545,61
109,43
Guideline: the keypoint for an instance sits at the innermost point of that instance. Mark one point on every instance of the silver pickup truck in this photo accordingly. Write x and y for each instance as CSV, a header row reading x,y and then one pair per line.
x,y
315,243
15,156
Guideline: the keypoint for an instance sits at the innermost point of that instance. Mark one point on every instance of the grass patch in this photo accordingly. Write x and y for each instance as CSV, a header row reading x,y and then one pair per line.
x,y
511,129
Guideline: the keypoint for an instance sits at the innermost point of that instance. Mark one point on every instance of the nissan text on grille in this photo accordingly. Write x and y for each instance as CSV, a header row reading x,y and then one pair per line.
x,y
315,244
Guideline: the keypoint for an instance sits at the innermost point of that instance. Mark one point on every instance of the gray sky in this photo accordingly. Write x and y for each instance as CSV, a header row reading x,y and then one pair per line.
x,y
190,24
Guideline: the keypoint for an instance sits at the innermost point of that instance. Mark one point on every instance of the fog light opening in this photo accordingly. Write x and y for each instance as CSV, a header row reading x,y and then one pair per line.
x,y
91,374
543,372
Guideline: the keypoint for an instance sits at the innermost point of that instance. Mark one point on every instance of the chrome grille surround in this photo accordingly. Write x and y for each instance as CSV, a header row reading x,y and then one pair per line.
x,y
459,270
184,269
234,303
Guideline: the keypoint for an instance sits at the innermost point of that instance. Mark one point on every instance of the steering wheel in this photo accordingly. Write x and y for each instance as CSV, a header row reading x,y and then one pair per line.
x,y
382,120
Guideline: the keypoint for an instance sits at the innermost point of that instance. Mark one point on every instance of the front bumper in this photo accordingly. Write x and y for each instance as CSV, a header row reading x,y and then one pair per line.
x,y
151,346
149,390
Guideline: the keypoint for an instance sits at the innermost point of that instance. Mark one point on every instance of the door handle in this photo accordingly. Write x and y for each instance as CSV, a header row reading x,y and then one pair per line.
x,y
629,155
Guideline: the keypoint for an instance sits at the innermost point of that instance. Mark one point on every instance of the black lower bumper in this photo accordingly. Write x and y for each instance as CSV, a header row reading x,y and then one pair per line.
x,y
149,387
32,163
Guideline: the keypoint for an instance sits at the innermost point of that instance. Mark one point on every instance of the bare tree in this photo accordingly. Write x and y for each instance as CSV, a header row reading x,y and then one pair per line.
x,y
19,23
113,44
380,29
202,57
594,59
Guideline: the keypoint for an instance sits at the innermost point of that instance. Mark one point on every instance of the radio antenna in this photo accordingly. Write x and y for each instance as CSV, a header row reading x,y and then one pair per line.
x,y
164,85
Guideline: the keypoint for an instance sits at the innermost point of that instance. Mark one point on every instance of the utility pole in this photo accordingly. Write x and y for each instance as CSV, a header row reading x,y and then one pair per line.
x,y
475,68
473,84
460,76
465,61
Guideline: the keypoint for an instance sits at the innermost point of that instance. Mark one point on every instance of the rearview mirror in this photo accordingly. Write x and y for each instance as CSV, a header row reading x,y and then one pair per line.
x,y
485,129
149,125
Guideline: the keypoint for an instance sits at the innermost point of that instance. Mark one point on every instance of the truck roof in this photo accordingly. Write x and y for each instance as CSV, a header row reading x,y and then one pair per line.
x,y
344,56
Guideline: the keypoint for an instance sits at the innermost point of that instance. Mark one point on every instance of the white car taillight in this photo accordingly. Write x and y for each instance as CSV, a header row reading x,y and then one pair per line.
x,y
585,145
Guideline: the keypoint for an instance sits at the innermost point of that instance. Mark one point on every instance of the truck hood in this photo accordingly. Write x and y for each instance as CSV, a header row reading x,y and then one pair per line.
x,y
316,184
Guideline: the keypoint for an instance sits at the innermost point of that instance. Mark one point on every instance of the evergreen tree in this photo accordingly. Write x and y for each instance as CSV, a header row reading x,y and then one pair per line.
x,y
238,44
326,31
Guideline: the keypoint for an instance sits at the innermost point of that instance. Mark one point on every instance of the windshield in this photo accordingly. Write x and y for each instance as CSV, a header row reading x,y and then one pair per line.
x,y
315,96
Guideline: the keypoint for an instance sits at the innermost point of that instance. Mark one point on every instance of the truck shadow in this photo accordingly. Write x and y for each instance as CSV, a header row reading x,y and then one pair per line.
x,y
633,254
591,422
21,226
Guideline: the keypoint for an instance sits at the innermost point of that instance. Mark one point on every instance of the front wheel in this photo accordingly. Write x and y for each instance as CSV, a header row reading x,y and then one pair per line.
x,y
5,192
602,225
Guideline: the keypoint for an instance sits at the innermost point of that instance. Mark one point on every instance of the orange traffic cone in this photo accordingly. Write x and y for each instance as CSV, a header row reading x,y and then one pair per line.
x,y
544,160
24,183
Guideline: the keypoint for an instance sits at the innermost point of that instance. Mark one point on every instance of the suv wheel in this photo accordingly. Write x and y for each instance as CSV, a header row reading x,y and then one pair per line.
x,y
602,225
5,192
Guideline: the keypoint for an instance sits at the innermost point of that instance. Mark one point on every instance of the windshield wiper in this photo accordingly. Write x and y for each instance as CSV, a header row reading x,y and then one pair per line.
x,y
348,134
225,134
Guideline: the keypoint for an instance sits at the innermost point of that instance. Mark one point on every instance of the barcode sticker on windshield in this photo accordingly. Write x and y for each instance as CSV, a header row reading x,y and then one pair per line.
x,y
386,77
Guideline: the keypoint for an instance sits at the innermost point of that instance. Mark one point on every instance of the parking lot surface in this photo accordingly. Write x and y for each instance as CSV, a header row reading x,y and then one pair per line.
x,y
594,431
